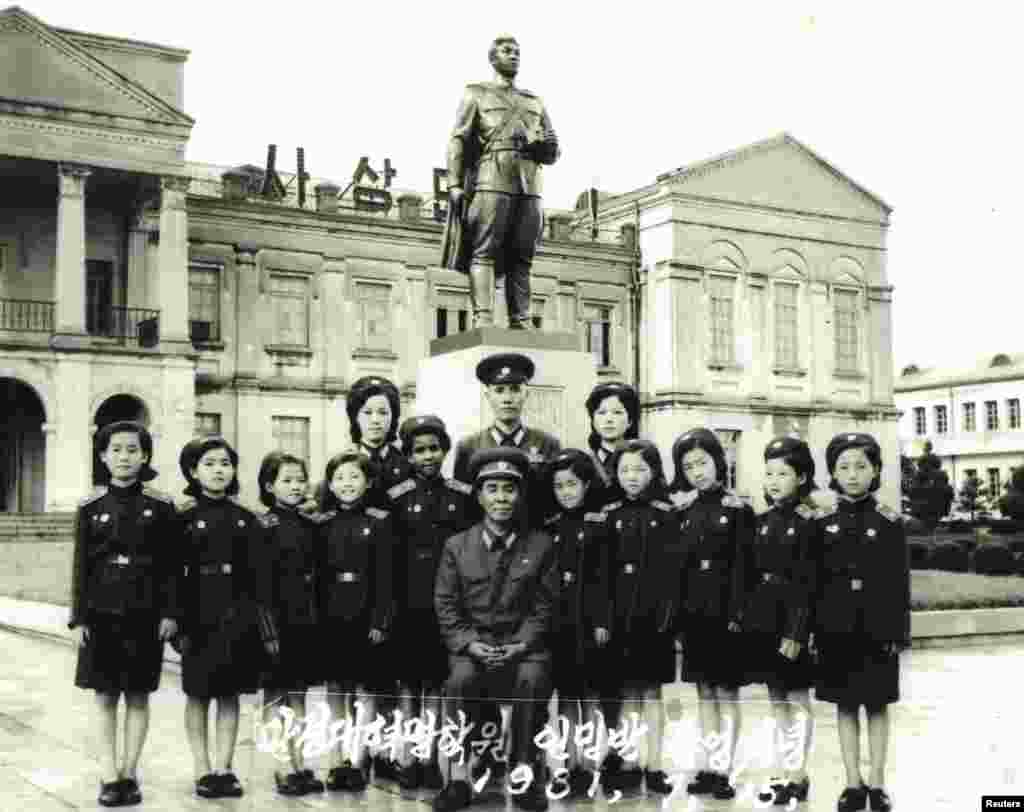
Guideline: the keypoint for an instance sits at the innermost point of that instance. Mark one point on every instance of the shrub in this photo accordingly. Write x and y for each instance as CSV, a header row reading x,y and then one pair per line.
x,y
1004,527
920,555
994,558
949,556
1016,544
965,543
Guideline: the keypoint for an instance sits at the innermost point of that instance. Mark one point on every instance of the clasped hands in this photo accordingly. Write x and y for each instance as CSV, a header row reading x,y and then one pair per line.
x,y
495,656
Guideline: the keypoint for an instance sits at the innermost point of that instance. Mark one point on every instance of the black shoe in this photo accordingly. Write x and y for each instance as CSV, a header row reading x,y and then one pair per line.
x,y
798,790
208,786
430,776
385,768
879,799
631,779
410,776
723,790
336,779
534,799
130,792
703,783
457,795
853,799
230,786
110,793
611,773
580,781
293,784
311,782
657,781
776,793
357,779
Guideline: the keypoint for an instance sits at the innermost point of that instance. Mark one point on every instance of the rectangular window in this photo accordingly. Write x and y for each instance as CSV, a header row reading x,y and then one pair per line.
x,y
1013,413
722,292
597,332
941,420
991,415
847,331
786,326
994,483
452,314
291,435
207,424
969,419
730,441
204,302
290,297
99,297
374,307
919,421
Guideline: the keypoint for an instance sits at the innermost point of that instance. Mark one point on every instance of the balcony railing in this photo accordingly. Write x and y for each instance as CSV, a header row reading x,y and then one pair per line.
x,y
136,326
204,332
26,316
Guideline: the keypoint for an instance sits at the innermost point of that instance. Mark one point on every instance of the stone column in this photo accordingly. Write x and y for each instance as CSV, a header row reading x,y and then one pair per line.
x,y
409,207
879,334
558,225
68,435
172,281
69,285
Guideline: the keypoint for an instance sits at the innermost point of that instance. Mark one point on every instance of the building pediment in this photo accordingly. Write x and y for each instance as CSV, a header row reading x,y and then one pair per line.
x,y
779,173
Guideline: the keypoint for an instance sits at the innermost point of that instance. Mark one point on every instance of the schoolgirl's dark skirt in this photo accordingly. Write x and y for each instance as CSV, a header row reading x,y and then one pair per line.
x,y
225,659
578,664
855,670
417,654
122,654
711,653
299,663
764,663
350,659
639,654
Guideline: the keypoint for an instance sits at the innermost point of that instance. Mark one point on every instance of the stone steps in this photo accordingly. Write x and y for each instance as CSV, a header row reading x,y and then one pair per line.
x,y
30,526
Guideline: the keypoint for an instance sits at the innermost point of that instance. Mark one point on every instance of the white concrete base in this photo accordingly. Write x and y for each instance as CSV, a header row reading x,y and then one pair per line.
x,y
446,383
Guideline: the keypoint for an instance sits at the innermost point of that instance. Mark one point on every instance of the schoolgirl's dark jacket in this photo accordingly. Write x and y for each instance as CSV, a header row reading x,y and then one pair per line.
x,y
863,572
426,513
356,567
779,585
127,554
293,539
583,553
227,569
645,555
717,537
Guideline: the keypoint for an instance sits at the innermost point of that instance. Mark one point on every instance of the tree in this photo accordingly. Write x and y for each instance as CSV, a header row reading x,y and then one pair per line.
x,y
973,496
930,495
1012,502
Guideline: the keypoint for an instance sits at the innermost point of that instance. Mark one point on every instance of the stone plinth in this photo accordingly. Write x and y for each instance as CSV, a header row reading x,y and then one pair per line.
x,y
446,382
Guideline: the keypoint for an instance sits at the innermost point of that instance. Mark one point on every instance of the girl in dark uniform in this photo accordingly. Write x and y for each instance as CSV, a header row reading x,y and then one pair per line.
x,y
583,618
283,482
225,596
373,409
717,533
124,598
862,612
614,410
355,584
777,605
427,510
644,532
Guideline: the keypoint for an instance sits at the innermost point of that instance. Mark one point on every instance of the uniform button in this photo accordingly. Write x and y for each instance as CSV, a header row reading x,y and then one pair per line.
x,y
417,508
201,524
871,533
147,513
105,517
764,530
241,523
724,520
580,535
557,538
791,532
366,531
451,508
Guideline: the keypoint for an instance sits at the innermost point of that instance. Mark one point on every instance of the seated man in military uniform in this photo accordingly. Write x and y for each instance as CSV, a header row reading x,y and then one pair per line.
x,y
495,592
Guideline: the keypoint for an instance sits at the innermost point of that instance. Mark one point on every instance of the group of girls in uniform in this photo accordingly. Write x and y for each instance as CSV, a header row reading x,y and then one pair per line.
x,y
342,595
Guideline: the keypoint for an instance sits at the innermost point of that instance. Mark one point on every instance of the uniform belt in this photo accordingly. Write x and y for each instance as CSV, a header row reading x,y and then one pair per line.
x,y
346,577
215,569
774,578
124,560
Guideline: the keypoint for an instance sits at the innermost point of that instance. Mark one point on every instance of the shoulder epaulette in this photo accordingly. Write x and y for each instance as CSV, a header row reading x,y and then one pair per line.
x,y
683,499
186,504
401,488
269,520
594,517
98,492
160,496
806,512
731,500
666,507
552,519
611,506
459,486
377,513
888,512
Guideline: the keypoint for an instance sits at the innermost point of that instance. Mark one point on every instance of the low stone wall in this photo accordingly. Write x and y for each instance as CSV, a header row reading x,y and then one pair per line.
x,y
37,569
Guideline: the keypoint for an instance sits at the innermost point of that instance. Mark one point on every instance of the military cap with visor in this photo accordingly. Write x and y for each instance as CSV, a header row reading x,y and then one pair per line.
x,y
505,367
499,463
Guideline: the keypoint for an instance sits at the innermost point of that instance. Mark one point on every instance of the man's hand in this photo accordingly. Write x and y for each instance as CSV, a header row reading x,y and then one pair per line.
x,y
81,634
482,651
376,636
601,636
456,195
168,628
734,626
790,649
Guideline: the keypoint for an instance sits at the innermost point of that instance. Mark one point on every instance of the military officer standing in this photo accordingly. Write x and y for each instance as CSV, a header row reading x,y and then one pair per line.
x,y
502,136
495,594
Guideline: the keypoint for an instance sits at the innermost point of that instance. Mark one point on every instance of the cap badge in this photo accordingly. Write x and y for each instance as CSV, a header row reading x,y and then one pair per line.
x,y
375,381
777,444
419,421
851,438
505,371
502,465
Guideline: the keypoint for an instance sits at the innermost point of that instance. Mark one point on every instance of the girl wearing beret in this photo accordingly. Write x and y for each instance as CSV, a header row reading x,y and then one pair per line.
x,y
862,612
776,611
718,534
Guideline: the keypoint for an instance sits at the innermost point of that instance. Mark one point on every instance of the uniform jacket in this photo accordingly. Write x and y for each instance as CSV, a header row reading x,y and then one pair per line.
x,y
226,568
356,566
584,560
475,601
645,560
863,570
293,538
780,583
539,445
426,514
126,559
499,153
393,466
717,534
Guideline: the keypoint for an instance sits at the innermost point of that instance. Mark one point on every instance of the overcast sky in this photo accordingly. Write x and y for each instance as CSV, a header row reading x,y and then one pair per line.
x,y
918,103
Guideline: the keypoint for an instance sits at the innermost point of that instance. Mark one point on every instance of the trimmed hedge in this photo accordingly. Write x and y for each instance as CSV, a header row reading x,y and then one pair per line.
x,y
949,556
931,590
994,558
920,555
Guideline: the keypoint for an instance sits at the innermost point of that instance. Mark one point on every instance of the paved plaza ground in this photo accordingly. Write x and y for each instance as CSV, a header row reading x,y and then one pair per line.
x,y
956,736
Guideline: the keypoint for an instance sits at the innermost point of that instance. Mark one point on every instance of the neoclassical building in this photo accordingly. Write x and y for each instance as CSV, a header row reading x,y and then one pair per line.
x,y
747,292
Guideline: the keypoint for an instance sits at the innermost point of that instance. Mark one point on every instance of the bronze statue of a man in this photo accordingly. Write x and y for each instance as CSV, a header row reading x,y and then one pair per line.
x,y
501,137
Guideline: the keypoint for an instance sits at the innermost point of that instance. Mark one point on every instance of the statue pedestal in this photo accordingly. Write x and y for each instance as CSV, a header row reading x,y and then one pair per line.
x,y
446,383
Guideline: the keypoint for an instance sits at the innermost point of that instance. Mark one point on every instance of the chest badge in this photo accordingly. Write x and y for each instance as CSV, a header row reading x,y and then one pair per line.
x,y
618,524
580,535
568,577
871,532
628,569
147,513
366,531
241,523
451,508
201,525
724,520
832,528
395,470
764,530
526,560
557,538
791,532
653,523
417,508
104,517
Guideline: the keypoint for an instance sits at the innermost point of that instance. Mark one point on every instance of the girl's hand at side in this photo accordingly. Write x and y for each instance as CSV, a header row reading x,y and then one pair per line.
x,y
601,636
168,628
376,636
